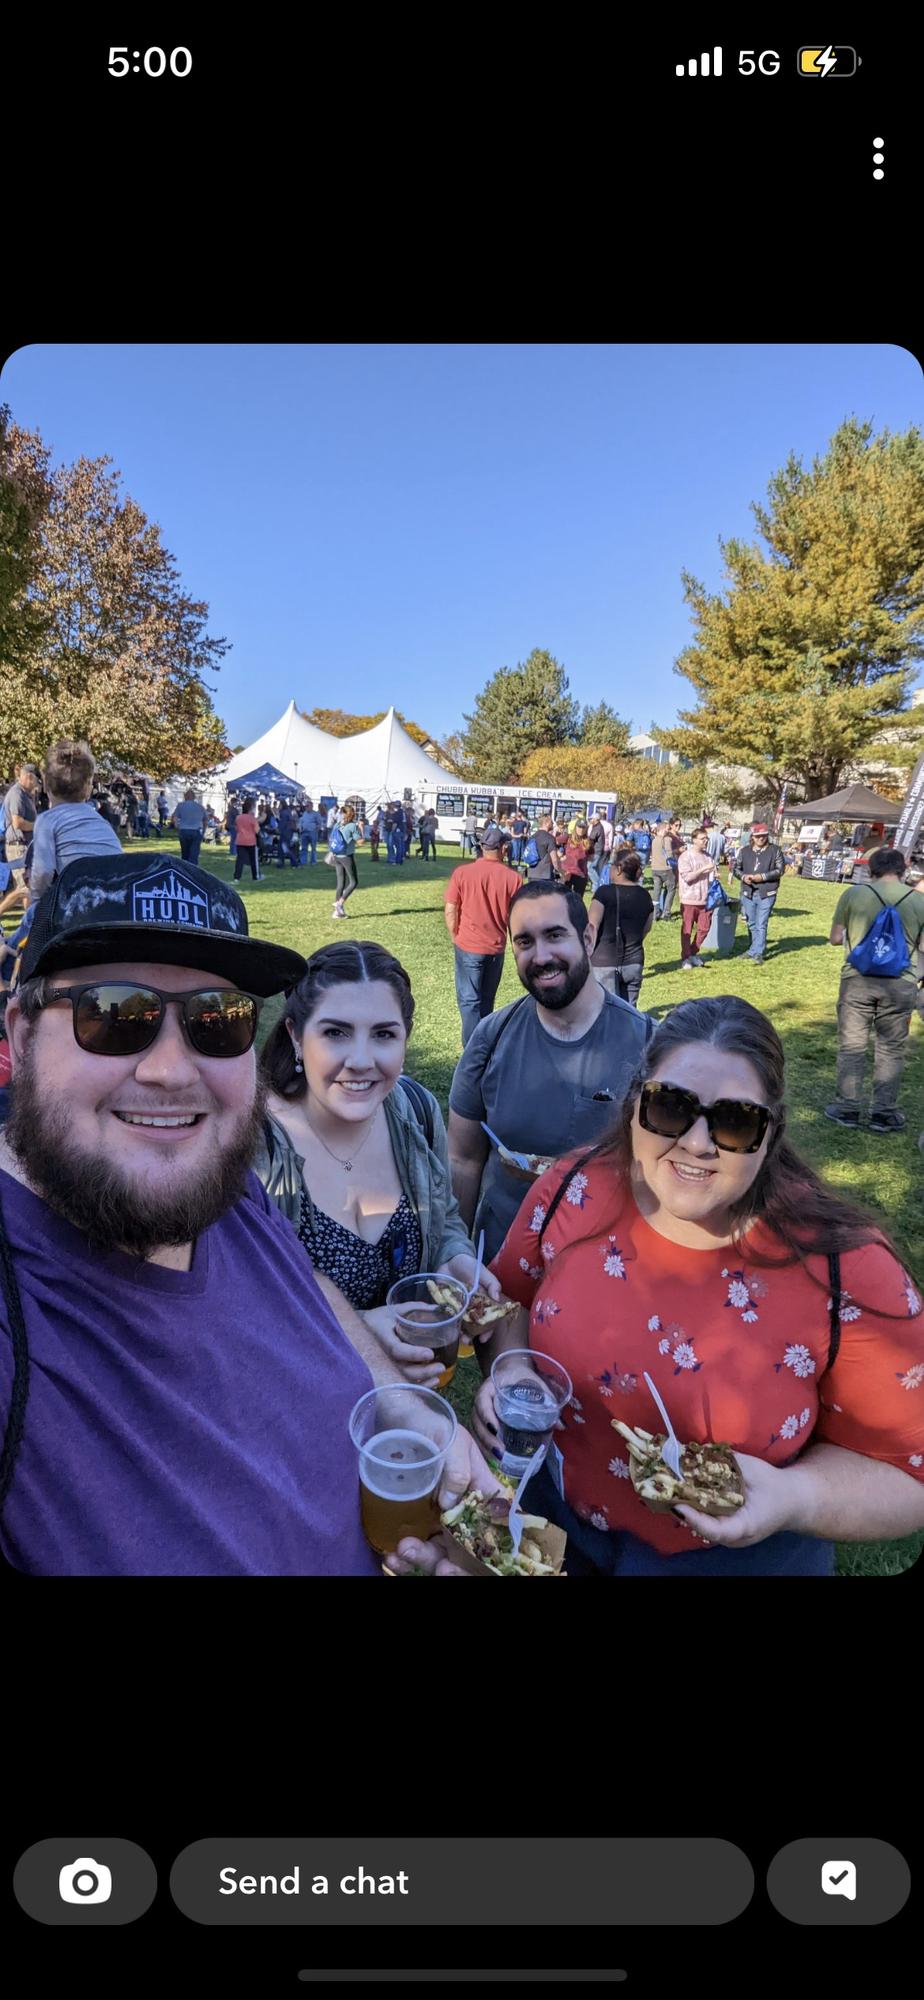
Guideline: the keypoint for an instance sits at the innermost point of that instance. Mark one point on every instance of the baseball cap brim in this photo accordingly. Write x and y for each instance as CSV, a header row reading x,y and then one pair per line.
x,y
123,909
254,966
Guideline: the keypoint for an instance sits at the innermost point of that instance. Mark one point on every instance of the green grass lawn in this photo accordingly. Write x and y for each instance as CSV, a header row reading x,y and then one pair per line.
x,y
797,986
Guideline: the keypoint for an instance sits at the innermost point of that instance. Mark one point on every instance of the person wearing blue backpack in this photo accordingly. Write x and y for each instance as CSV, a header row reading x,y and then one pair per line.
x,y
881,922
341,851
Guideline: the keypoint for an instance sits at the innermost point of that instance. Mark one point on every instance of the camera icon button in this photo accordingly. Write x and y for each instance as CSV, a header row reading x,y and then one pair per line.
x,y
86,1882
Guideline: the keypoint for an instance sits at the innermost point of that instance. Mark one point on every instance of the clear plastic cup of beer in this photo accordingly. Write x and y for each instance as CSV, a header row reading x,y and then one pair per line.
x,y
423,1322
530,1392
402,1434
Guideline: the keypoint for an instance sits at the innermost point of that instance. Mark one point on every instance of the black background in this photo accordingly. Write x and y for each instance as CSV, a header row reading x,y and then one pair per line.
x,y
166,1714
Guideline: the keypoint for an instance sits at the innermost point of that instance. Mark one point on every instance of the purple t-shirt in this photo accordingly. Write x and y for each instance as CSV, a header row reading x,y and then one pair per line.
x,y
180,1423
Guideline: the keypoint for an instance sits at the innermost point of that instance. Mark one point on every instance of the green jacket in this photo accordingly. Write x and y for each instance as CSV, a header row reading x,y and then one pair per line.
x,y
424,1176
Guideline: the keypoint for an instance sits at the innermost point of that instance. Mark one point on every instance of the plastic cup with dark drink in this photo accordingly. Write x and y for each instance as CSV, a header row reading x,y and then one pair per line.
x,y
402,1434
530,1392
428,1313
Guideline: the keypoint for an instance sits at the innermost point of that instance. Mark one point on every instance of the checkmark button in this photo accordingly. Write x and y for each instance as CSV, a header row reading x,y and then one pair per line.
x,y
839,1878
815,1881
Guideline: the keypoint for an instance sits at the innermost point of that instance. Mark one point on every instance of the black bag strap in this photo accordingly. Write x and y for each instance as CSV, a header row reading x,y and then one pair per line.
x,y
503,1021
834,1278
559,1191
619,932
422,1104
15,1421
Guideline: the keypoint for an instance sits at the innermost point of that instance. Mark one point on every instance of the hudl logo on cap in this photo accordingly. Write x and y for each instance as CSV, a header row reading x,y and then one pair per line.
x,y
169,899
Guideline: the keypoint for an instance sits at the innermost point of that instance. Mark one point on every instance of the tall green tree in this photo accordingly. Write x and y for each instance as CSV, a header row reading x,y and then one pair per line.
x,y
810,652
120,647
602,726
25,496
520,709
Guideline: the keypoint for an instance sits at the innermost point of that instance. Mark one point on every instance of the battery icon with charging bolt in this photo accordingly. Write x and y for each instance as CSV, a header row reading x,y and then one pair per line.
x,y
835,60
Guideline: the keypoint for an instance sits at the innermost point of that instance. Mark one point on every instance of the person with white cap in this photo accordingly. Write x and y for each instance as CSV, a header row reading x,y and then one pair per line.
x,y
760,865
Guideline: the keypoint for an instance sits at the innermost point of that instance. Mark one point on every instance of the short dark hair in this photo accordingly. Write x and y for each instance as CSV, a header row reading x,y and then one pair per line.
x,y
887,861
573,902
247,806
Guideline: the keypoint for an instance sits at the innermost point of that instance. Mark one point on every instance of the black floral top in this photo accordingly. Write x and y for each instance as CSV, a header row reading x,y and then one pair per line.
x,y
364,1272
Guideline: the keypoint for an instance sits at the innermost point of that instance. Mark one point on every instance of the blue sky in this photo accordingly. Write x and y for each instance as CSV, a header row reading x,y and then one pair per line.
x,y
377,524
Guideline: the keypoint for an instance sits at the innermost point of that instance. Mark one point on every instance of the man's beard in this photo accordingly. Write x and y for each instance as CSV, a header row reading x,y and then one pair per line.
x,y
112,1209
576,977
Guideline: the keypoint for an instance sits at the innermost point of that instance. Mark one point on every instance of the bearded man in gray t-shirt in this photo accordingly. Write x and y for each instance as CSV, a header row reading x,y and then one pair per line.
x,y
549,1072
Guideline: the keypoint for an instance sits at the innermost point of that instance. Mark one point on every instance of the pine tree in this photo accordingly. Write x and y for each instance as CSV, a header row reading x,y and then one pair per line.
x,y
602,726
521,708
810,653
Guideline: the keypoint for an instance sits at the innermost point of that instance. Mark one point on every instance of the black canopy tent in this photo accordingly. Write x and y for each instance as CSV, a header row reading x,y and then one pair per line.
x,y
854,802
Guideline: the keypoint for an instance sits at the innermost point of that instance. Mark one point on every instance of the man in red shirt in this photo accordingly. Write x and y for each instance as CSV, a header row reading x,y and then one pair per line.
x,y
476,908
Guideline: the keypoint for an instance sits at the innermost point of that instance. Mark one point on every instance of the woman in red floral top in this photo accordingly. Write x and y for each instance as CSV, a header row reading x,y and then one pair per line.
x,y
715,1270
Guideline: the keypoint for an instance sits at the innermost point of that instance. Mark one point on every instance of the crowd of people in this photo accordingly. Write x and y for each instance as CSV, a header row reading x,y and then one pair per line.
x,y
197,1244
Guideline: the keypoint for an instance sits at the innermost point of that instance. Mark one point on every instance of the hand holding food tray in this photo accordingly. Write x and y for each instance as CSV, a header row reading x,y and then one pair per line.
x,y
478,1539
483,1313
711,1479
523,1166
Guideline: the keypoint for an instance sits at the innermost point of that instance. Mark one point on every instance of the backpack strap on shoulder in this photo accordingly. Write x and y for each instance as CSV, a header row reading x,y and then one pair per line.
x,y
421,1104
563,1184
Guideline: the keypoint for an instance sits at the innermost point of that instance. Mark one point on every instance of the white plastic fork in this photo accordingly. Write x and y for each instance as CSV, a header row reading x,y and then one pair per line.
x,y
520,1159
479,1253
670,1451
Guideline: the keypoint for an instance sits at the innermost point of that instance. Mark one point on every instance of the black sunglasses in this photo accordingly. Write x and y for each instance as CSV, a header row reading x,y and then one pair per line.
x,y
735,1124
114,1018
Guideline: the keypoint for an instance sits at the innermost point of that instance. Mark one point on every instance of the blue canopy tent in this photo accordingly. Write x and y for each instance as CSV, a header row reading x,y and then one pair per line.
x,y
266,778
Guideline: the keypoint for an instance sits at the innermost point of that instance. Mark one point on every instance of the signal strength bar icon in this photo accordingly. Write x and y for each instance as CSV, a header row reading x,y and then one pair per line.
x,y
704,65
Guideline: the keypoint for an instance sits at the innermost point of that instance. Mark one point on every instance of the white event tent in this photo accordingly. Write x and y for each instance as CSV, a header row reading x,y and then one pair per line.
x,y
376,764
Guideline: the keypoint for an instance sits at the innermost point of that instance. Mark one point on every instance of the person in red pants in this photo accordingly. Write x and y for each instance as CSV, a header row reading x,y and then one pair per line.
x,y
695,870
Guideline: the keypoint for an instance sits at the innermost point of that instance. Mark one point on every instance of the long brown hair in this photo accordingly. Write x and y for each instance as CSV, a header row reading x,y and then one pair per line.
x,y
344,964
787,1196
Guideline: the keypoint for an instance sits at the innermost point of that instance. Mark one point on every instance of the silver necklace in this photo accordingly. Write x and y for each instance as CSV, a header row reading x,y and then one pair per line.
x,y
348,1164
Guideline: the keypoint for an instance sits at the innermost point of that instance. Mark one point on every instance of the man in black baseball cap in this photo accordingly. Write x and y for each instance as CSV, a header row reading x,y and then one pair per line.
x,y
174,1386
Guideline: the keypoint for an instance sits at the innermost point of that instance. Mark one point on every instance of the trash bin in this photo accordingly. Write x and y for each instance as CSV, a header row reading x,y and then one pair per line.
x,y
721,934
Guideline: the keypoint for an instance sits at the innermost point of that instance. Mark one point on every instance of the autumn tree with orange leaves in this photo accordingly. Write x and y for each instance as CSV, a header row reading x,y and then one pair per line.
x,y
98,638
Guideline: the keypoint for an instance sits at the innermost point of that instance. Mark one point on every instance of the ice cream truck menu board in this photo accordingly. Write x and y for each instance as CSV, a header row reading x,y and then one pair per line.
x,y
535,808
480,803
450,803
569,809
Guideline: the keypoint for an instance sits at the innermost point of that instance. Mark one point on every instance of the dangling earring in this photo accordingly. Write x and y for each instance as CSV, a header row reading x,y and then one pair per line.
x,y
299,1065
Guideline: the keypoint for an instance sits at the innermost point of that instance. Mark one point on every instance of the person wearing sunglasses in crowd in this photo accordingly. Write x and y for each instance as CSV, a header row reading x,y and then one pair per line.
x,y
357,1162
175,1387
772,1314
